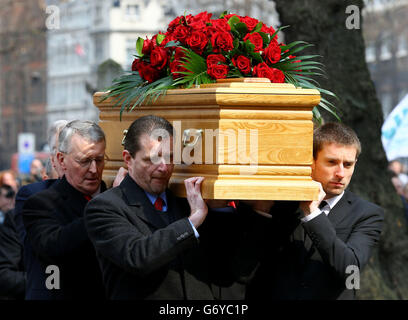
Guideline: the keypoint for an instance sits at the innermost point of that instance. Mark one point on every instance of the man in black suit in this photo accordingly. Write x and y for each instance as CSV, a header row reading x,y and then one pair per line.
x,y
53,218
318,252
12,275
150,244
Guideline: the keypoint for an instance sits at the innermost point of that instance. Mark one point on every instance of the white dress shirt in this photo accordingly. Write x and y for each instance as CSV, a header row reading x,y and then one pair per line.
x,y
326,209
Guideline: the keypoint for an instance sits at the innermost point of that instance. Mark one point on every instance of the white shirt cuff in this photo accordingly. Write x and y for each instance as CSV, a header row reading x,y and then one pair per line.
x,y
312,215
197,235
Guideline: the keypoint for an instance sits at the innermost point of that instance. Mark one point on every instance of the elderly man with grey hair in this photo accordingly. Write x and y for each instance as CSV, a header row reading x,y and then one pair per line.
x,y
54,221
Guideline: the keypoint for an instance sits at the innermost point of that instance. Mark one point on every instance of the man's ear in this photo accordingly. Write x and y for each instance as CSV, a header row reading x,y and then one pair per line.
x,y
126,157
60,159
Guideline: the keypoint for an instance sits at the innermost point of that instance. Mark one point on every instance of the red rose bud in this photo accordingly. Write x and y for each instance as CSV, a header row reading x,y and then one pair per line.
x,y
255,39
272,53
242,63
222,41
134,64
147,72
213,59
218,71
250,22
197,41
159,58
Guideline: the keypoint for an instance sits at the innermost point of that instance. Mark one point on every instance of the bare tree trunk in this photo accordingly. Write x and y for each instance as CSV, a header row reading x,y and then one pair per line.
x,y
322,23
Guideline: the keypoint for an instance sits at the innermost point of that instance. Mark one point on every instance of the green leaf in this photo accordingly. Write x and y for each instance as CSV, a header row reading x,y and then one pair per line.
x,y
223,14
258,27
241,28
232,21
277,30
160,38
139,46
172,44
236,43
265,38
317,115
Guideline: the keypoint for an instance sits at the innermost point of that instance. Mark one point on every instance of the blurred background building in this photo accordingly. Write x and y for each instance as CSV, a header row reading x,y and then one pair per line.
x,y
385,29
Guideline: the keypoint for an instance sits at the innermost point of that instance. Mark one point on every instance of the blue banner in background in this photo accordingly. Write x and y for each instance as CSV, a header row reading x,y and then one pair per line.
x,y
394,132
24,162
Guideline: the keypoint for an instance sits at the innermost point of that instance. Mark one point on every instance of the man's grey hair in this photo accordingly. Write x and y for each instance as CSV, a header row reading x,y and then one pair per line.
x,y
48,168
88,130
53,130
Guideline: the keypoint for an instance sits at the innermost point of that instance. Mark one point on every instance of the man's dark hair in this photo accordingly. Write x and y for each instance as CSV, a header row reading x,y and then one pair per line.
x,y
144,125
335,132
9,192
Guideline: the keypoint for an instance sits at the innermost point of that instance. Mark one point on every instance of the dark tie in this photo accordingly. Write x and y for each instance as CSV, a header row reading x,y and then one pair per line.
x,y
322,204
158,204
87,197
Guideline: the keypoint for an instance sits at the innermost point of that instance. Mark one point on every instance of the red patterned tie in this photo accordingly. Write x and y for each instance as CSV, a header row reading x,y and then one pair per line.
x,y
158,204
87,197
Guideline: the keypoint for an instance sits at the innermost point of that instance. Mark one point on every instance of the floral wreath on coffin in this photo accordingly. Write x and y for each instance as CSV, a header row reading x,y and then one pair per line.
x,y
197,50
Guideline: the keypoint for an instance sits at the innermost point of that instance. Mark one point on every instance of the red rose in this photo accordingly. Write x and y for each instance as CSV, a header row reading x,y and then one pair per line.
x,y
202,16
181,33
134,64
179,53
174,23
242,63
147,46
159,58
213,59
255,39
198,25
267,29
218,71
228,16
175,67
222,41
263,71
197,41
147,72
250,22
272,53
221,24
277,76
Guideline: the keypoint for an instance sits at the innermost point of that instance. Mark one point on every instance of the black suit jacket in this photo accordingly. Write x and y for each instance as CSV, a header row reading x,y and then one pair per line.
x,y
35,273
310,260
12,275
55,228
143,257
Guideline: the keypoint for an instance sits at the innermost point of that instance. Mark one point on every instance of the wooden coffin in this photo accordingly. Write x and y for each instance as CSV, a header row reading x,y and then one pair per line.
x,y
249,138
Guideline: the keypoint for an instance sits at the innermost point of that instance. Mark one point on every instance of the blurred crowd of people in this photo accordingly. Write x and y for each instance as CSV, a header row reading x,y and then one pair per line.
x,y
400,181
10,183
